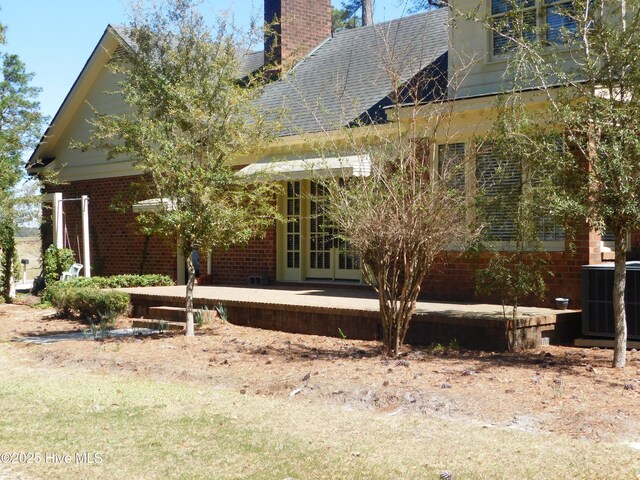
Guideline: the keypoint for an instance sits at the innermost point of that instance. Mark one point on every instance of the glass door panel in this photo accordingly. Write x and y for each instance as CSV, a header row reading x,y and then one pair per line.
x,y
330,256
320,235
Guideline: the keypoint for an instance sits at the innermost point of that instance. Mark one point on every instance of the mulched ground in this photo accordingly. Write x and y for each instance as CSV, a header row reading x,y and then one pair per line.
x,y
568,391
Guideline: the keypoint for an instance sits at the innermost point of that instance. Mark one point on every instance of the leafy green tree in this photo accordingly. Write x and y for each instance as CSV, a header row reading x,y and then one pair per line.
x,y
365,7
20,124
341,19
190,117
592,50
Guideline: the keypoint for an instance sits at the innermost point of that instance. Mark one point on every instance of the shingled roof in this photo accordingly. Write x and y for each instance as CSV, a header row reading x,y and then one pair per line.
x,y
343,81
347,78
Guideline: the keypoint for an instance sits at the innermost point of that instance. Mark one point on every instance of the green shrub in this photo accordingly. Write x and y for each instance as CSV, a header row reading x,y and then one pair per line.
x,y
57,294
123,281
103,305
56,260
87,302
83,297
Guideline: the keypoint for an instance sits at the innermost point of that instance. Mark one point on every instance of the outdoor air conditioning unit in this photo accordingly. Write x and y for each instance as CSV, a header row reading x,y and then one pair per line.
x,y
258,280
597,300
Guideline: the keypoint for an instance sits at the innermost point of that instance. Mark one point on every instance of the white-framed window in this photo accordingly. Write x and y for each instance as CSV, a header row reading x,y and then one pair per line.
x,y
502,182
548,20
451,164
559,20
293,224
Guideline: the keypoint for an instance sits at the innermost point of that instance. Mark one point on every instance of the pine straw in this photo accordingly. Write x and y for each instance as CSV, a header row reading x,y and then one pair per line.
x,y
243,403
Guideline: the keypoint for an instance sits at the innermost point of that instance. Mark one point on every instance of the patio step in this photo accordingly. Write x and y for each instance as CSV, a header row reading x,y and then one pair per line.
x,y
169,314
176,314
161,325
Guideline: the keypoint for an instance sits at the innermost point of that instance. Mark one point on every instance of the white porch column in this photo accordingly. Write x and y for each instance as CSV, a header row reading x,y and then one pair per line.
x,y
58,222
209,263
86,250
180,276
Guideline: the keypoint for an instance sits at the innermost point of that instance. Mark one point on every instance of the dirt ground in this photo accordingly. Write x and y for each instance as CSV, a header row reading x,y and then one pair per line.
x,y
561,390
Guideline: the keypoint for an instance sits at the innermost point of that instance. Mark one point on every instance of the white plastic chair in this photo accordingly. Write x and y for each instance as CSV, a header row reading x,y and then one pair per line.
x,y
73,271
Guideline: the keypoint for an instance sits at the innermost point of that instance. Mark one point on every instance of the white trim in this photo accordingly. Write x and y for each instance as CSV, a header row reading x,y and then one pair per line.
x,y
86,249
154,205
304,168
58,223
95,171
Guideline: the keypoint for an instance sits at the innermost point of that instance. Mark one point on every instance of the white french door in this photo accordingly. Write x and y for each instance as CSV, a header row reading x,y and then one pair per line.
x,y
330,255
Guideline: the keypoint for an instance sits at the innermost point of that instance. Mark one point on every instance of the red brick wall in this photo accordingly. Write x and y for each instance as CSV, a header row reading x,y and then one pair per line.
x,y
234,266
116,245
304,24
452,275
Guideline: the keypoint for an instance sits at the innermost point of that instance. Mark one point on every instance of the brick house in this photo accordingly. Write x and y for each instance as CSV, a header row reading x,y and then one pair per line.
x,y
337,80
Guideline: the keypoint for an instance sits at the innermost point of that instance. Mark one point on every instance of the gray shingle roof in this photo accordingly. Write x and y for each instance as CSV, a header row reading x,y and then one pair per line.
x,y
251,62
347,76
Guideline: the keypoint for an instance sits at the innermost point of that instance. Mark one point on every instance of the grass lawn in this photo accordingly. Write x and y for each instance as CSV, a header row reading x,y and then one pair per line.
x,y
153,429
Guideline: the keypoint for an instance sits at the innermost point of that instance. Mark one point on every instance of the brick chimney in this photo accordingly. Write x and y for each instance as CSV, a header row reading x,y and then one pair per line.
x,y
296,28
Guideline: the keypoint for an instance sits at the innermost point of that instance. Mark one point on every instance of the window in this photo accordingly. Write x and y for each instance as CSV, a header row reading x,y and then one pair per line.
x,y
506,23
293,224
321,230
451,164
608,236
550,231
560,20
500,181
549,20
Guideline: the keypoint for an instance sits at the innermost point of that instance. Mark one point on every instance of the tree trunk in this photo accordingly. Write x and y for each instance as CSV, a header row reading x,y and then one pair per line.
x,y
367,12
391,332
619,309
8,248
191,281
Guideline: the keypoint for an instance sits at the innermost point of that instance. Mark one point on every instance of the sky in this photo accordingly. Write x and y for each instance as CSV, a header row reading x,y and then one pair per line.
x,y
54,38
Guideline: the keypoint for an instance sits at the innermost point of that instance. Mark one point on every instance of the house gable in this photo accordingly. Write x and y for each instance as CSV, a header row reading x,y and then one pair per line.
x,y
90,90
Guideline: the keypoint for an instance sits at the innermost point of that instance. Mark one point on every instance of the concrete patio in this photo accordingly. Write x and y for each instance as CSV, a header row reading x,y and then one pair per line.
x,y
354,313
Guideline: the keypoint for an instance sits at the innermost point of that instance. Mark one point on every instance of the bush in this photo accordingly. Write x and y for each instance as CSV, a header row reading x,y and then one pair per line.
x,y
92,303
83,297
122,281
87,302
56,260
57,294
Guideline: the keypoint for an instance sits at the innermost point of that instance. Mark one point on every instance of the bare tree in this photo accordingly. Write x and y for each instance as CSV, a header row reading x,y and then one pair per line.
x,y
398,220
413,205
